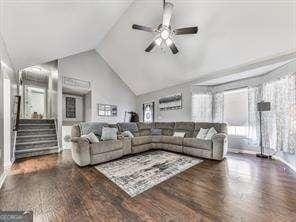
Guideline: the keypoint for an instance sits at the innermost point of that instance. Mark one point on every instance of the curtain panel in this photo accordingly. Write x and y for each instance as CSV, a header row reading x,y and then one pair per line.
x,y
202,107
279,125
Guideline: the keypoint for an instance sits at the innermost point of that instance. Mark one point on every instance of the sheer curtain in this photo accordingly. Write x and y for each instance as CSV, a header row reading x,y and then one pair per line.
x,y
202,107
218,107
279,125
254,96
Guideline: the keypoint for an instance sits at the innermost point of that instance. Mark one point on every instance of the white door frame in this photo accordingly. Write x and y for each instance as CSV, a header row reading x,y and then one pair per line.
x,y
7,123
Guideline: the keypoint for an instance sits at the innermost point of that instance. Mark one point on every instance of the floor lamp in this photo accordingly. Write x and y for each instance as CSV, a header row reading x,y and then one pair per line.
x,y
262,107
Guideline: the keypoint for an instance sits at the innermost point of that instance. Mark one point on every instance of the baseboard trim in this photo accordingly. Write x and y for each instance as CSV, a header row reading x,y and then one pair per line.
x,y
284,162
243,151
2,178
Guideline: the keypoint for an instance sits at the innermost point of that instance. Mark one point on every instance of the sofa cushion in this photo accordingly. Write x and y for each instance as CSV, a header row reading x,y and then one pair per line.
x,y
145,128
197,143
211,133
132,127
219,127
155,132
91,137
105,146
167,128
171,140
95,127
136,141
187,127
109,133
179,134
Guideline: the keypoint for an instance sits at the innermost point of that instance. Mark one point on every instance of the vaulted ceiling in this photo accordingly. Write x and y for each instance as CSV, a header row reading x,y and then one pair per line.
x,y
231,34
40,31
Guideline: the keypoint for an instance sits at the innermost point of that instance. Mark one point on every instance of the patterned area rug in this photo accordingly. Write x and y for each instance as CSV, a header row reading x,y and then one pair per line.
x,y
138,173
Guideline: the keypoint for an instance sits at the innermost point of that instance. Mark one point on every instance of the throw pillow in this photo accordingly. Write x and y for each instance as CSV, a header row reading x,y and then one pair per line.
x,y
202,133
91,137
210,133
179,134
127,134
109,133
155,132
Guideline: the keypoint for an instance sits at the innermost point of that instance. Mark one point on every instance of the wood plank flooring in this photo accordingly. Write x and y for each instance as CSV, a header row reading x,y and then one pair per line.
x,y
240,188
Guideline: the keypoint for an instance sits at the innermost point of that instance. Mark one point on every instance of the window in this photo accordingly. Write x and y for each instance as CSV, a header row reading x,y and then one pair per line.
x,y
202,107
236,111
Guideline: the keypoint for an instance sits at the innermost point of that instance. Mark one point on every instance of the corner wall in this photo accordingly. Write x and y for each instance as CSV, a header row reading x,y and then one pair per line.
x,y
107,87
6,71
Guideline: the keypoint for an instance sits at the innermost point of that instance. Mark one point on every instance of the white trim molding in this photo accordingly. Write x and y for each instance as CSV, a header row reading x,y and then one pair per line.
x,y
243,151
285,162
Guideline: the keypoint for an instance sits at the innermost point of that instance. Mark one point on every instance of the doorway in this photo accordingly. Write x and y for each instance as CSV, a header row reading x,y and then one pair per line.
x,y
35,101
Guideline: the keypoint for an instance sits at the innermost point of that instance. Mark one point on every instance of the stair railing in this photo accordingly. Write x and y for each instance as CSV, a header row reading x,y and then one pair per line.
x,y
16,112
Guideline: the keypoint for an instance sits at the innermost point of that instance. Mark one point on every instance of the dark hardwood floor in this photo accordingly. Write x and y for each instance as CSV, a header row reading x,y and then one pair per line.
x,y
240,188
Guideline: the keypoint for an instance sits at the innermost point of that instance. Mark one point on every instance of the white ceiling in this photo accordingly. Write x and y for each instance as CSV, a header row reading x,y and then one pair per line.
x,y
231,33
244,74
38,31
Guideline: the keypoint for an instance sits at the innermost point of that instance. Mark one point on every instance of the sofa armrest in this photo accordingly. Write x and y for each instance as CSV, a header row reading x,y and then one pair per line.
x,y
220,146
79,140
80,149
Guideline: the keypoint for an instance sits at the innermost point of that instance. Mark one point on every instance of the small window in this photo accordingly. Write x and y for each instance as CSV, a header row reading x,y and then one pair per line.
x,y
236,111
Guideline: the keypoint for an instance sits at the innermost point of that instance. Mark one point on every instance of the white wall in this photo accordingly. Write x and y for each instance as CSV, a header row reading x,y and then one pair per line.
x,y
7,72
107,87
183,114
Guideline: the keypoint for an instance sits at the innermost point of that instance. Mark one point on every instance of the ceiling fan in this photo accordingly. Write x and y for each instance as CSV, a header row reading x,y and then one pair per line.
x,y
164,32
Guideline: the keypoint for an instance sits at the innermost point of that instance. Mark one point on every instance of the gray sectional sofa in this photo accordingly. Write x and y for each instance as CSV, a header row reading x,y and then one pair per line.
x,y
86,153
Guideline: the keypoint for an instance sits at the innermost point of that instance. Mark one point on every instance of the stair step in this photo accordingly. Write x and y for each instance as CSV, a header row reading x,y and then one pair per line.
x,y
36,126
48,121
36,144
35,132
32,138
36,152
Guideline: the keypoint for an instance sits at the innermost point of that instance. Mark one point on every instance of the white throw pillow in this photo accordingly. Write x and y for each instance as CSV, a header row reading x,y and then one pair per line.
x,y
202,133
92,138
210,133
127,134
179,134
109,133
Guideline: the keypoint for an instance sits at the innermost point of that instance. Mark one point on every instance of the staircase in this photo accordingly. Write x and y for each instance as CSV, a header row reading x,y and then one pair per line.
x,y
36,137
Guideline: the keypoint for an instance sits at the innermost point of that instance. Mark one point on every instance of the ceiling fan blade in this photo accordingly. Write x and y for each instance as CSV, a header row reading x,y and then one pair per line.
x,y
173,47
185,31
143,28
151,46
167,14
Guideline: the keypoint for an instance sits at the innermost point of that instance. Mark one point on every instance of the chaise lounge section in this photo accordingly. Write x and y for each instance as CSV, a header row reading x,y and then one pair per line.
x,y
147,136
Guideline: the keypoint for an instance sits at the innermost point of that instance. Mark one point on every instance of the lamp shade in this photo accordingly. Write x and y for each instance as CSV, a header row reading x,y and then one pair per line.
x,y
263,106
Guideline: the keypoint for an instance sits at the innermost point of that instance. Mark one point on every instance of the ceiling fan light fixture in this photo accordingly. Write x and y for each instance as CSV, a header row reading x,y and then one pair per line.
x,y
158,41
169,42
165,34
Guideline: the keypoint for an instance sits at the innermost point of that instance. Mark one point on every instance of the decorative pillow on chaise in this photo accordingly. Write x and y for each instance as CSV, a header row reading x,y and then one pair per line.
x,y
127,134
91,137
202,133
210,133
109,133
179,133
